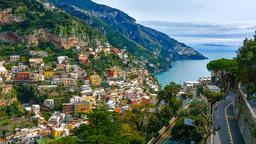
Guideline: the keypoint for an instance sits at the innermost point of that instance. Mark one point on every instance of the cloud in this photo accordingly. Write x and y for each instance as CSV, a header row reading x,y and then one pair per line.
x,y
198,33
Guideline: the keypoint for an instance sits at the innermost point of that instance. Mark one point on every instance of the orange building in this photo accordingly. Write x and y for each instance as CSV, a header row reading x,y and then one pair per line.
x,y
117,110
83,59
116,51
112,73
22,76
145,72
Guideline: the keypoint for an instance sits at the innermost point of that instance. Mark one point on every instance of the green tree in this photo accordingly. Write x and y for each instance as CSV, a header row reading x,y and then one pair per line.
x,y
27,93
246,57
66,140
180,130
164,113
213,98
168,95
15,109
135,118
225,71
195,136
46,115
105,127
199,90
200,114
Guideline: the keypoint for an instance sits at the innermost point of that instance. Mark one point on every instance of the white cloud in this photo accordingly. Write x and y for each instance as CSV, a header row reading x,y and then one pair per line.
x,y
190,10
204,33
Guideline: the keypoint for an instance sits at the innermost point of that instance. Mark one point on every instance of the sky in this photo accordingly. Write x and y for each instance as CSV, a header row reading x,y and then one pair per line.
x,y
205,22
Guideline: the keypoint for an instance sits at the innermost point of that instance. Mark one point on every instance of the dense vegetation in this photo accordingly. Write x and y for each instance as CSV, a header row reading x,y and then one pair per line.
x,y
13,114
35,16
15,109
168,106
246,71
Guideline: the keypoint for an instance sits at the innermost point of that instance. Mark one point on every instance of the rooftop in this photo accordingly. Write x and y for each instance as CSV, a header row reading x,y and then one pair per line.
x,y
213,88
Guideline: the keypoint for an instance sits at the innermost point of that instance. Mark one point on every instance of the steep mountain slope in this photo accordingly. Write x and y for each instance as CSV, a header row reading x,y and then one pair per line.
x,y
29,24
118,26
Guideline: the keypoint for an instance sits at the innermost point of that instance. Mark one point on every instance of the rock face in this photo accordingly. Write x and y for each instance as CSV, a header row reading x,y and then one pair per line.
x,y
6,17
113,22
37,36
42,35
70,42
9,37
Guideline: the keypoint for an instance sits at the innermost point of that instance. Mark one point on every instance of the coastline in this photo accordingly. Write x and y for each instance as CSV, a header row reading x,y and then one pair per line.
x,y
183,70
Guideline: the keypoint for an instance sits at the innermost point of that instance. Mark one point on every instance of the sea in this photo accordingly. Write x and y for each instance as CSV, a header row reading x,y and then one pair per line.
x,y
192,70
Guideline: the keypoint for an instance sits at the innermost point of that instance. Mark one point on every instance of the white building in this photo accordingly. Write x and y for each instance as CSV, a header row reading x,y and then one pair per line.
x,y
3,70
35,109
110,104
56,119
62,59
49,103
74,100
14,58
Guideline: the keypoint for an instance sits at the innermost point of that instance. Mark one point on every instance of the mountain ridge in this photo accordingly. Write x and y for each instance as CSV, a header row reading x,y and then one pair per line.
x,y
160,48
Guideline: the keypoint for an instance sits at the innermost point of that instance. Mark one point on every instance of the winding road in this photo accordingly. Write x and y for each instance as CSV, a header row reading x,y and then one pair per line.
x,y
229,132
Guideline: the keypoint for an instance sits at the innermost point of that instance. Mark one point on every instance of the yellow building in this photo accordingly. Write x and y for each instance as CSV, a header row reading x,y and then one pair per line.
x,y
57,133
48,74
95,80
83,107
3,141
70,126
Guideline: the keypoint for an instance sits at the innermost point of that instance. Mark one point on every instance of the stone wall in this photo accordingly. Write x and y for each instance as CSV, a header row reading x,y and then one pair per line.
x,y
245,117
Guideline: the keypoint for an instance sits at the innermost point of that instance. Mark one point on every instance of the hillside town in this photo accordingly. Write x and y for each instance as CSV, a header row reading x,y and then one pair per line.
x,y
116,90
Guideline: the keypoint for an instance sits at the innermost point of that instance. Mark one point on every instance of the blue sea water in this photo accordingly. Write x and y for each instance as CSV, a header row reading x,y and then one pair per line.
x,y
191,70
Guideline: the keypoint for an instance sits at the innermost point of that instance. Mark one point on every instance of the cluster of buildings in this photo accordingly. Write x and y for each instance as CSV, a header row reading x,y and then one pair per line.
x,y
117,90
189,89
35,70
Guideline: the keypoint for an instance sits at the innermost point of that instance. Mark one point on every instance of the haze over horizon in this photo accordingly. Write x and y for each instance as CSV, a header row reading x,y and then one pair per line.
x,y
197,22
